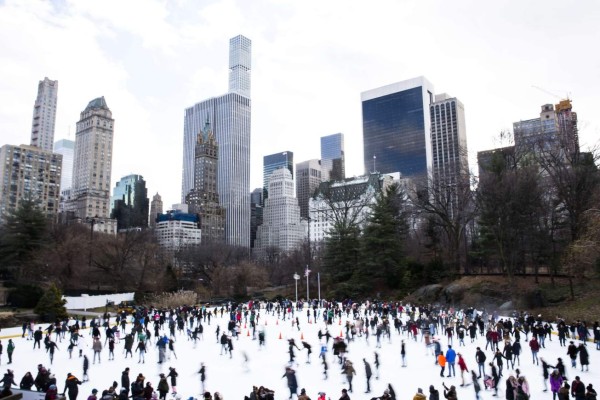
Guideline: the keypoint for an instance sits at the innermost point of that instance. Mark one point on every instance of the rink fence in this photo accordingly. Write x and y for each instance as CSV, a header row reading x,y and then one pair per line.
x,y
85,301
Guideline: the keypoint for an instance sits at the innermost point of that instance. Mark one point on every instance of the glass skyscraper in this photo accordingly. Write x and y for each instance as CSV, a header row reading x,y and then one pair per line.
x,y
229,116
332,157
130,203
65,147
273,162
396,128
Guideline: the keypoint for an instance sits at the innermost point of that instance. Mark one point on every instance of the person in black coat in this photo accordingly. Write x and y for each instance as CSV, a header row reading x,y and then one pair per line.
x,y
27,381
71,386
584,358
292,382
434,394
125,382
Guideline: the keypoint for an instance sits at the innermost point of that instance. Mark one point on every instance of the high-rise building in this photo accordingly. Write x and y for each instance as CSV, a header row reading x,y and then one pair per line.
x,y
554,131
203,199
92,165
240,62
156,207
44,115
397,128
332,157
66,148
29,172
230,119
129,203
281,228
308,179
449,141
256,213
273,162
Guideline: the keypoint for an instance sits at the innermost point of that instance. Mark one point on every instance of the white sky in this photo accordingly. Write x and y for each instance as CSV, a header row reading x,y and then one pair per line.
x,y
310,62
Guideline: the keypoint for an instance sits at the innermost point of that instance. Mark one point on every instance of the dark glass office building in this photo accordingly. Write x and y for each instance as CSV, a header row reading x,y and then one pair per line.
x,y
332,157
272,162
396,128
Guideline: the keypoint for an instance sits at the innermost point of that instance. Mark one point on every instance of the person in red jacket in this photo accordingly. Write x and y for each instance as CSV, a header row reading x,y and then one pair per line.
x,y
535,348
463,368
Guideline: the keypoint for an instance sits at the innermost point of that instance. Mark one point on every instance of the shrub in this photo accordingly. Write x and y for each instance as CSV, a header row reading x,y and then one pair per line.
x,y
25,296
174,299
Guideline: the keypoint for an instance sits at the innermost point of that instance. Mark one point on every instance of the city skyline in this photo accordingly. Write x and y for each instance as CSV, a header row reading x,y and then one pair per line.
x,y
152,69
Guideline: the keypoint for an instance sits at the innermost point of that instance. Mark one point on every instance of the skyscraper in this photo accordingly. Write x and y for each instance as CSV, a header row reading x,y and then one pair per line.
x,y
129,203
308,179
332,157
44,115
273,162
449,141
256,213
203,199
156,207
66,148
397,128
29,172
281,228
230,119
240,62
92,164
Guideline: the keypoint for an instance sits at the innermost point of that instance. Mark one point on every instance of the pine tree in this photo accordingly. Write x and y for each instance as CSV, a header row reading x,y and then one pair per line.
x,y
51,306
23,235
382,256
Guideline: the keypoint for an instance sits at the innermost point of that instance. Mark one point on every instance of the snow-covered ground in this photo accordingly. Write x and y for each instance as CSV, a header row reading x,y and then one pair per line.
x,y
234,379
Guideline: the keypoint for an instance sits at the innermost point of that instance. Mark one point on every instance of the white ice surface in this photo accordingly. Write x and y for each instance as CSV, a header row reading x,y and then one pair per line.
x,y
266,365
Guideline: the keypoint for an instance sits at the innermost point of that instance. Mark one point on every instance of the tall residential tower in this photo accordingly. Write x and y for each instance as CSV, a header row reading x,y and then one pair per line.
x,y
92,164
230,120
44,115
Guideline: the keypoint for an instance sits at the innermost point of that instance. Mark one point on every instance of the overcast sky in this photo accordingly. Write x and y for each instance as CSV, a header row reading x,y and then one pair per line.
x,y
310,62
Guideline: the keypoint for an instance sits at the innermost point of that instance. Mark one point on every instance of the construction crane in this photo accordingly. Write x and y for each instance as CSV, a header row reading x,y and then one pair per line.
x,y
552,94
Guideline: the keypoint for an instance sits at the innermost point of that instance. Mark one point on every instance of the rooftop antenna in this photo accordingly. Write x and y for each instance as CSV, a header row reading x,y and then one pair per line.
x,y
374,158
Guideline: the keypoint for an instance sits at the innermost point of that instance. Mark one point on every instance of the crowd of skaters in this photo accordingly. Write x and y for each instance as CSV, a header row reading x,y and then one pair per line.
x,y
427,324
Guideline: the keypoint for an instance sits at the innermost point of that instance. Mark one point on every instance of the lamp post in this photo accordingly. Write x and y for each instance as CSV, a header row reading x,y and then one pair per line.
x,y
296,278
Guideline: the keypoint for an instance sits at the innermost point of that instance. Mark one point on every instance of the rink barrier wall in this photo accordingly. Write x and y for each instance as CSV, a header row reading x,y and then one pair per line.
x,y
33,395
85,301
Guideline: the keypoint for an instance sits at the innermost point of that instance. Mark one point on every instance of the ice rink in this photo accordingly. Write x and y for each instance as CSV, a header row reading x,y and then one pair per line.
x,y
234,378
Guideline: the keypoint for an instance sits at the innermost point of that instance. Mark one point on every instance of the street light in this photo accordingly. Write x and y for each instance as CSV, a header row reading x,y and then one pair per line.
x,y
296,278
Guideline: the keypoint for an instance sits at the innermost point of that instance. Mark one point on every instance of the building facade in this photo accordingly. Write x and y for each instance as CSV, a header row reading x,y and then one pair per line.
x,y
92,167
44,115
203,199
156,207
350,198
66,148
333,164
230,120
448,140
29,172
177,229
272,162
281,228
554,131
397,128
256,213
308,179
130,203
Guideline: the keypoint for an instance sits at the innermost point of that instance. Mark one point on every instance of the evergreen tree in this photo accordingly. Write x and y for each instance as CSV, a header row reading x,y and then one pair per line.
x,y
23,234
51,306
382,256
